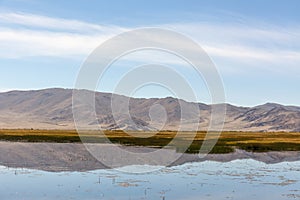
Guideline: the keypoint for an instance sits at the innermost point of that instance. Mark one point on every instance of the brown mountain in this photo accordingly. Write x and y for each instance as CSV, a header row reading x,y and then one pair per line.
x,y
52,109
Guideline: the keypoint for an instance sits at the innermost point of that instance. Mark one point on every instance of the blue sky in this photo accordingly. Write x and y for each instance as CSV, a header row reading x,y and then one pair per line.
x,y
255,45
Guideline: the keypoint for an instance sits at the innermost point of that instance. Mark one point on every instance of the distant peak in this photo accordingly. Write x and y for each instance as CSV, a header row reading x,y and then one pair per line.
x,y
270,105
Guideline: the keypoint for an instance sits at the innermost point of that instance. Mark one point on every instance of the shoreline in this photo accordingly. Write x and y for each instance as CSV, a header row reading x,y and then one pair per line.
x,y
59,157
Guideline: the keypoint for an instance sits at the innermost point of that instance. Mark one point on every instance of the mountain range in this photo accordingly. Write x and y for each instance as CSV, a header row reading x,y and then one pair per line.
x,y
52,109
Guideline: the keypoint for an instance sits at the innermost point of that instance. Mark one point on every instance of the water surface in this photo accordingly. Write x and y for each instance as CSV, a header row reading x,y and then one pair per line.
x,y
238,179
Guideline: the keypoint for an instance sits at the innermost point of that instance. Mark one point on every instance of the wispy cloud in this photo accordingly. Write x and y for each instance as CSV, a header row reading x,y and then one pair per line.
x,y
38,21
267,43
248,53
25,34
22,43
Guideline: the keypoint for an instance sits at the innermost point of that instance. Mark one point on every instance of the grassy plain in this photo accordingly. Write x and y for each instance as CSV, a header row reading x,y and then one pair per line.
x,y
227,142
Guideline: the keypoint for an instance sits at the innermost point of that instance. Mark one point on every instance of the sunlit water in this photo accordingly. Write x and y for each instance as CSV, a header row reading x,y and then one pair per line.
x,y
239,179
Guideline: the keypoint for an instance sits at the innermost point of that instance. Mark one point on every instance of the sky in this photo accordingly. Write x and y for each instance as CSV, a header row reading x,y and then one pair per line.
x,y
255,45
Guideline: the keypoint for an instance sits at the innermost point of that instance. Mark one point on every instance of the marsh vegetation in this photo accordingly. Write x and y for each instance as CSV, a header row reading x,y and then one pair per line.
x,y
227,142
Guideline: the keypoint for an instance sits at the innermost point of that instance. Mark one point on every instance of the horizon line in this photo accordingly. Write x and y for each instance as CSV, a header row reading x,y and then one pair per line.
x,y
162,97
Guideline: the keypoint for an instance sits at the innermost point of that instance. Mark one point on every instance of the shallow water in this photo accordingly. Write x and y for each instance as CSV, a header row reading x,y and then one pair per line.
x,y
239,179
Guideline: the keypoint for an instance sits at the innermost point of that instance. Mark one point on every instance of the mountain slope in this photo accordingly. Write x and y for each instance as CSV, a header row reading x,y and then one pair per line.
x,y
52,109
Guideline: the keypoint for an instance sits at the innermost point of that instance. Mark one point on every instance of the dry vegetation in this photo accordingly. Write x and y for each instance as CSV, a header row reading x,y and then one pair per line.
x,y
227,142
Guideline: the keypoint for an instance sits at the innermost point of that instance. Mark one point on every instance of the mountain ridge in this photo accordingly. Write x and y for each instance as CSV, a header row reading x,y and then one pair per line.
x,y
52,109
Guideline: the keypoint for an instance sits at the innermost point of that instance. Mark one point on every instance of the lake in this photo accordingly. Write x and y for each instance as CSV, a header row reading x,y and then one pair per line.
x,y
237,179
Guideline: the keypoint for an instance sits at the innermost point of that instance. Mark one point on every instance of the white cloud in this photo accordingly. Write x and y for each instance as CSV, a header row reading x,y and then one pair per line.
x,y
22,43
240,52
239,41
240,48
39,21
24,35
